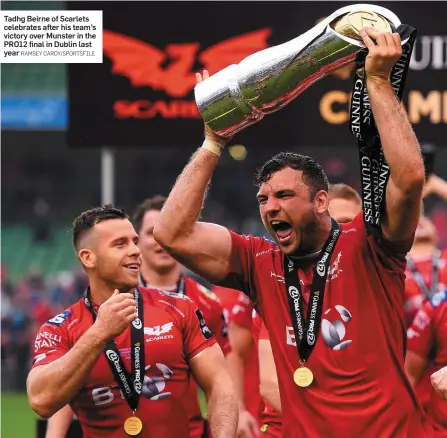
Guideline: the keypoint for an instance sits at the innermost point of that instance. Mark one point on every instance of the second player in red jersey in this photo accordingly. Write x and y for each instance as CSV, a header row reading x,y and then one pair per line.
x,y
123,360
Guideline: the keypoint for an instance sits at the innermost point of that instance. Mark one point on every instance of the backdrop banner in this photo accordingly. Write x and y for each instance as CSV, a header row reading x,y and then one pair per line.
x,y
142,94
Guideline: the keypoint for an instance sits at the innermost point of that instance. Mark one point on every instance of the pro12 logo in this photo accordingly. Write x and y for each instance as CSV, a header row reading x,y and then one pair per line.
x,y
60,319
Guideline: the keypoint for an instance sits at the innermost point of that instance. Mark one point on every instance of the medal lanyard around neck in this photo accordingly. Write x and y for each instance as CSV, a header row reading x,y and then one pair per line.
x,y
130,385
306,331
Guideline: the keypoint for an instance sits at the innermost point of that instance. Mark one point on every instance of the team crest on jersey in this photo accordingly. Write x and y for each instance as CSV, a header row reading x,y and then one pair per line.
x,y
59,319
334,270
158,330
438,298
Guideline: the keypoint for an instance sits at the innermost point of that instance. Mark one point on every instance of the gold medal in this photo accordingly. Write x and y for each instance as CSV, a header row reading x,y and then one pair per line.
x,y
303,377
133,426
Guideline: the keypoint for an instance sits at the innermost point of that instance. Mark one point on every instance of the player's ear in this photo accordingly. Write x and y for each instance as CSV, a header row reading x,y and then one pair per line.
x,y
321,202
87,258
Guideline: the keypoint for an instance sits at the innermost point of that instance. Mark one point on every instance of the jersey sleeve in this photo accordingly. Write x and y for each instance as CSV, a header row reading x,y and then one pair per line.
x,y
52,340
197,336
391,255
243,253
421,333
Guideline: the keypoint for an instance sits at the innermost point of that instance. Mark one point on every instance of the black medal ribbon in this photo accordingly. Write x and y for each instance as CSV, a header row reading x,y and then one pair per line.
x,y
374,170
434,275
130,384
306,331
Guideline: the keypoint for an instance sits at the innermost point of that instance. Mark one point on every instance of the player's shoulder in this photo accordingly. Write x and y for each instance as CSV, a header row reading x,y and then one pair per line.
x,y
354,229
261,246
66,319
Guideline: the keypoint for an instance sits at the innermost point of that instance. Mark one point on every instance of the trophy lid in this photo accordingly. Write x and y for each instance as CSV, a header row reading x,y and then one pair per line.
x,y
349,20
351,23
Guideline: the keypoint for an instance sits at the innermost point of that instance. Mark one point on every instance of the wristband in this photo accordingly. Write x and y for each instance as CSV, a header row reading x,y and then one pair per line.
x,y
211,146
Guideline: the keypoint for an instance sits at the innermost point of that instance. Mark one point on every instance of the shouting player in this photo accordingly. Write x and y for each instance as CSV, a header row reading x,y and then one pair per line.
x,y
122,355
344,205
335,378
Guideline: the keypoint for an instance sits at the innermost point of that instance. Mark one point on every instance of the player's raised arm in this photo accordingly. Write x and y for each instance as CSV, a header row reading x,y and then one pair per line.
x,y
202,247
400,145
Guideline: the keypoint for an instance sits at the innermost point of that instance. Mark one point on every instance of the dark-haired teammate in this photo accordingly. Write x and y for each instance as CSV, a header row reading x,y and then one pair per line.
x,y
331,295
122,356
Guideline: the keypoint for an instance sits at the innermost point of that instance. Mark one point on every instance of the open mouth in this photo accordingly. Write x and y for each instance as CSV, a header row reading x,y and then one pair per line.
x,y
282,229
133,267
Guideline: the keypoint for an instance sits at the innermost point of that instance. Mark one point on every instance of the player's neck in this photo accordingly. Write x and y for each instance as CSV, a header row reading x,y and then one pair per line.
x,y
100,291
422,249
320,233
163,279
324,233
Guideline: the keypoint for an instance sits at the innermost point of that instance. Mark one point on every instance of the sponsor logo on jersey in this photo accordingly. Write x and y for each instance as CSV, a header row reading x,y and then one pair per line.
x,y
58,320
46,339
438,298
333,327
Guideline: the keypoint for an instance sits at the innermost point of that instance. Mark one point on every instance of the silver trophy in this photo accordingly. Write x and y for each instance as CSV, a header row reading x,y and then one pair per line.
x,y
242,94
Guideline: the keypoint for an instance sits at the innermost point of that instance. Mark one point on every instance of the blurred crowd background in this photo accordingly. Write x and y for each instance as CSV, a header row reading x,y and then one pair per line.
x,y
45,184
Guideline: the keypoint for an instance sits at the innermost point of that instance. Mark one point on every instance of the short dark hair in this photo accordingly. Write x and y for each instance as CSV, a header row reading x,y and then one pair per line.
x,y
154,203
313,174
343,191
88,219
